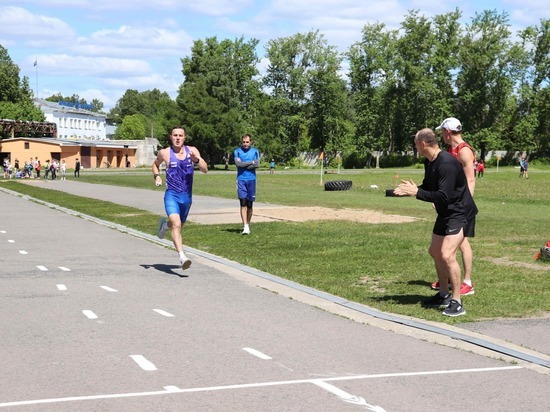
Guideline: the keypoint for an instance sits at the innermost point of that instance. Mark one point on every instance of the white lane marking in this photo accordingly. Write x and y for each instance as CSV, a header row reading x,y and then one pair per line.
x,y
257,353
163,313
61,287
23,252
42,268
143,363
89,314
108,289
64,269
11,241
172,388
348,397
246,385
2,231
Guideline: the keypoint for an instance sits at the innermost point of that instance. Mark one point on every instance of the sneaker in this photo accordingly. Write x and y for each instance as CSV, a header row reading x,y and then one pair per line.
x,y
466,289
185,263
435,285
163,227
437,301
455,308
246,230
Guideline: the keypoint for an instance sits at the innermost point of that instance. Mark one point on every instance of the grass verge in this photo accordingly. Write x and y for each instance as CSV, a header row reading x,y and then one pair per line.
x,y
384,266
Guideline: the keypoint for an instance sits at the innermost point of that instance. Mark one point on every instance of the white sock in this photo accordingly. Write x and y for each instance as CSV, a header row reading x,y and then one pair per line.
x,y
468,282
245,227
182,256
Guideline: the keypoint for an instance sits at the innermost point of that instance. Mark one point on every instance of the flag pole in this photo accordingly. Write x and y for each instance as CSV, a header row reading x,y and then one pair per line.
x,y
36,76
321,158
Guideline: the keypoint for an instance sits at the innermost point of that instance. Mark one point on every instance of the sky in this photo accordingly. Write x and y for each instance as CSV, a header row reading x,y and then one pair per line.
x,y
98,49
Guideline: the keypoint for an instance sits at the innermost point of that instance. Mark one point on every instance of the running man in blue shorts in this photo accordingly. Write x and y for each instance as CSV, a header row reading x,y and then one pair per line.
x,y
247,160
180,163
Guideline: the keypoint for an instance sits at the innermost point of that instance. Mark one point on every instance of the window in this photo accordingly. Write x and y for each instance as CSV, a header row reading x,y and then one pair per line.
x,y
27,145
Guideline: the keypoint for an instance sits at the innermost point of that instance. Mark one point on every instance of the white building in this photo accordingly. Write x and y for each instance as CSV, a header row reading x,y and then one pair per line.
x,y
73,121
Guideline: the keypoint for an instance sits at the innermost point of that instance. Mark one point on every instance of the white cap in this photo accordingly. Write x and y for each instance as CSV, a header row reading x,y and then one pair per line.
x,y
450,123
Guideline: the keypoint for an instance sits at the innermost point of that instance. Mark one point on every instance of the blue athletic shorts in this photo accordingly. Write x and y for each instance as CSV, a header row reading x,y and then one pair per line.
x,y
177,202
246,189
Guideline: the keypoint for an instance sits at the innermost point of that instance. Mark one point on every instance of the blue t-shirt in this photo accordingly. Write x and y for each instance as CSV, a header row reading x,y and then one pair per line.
x,y
246,156
179,173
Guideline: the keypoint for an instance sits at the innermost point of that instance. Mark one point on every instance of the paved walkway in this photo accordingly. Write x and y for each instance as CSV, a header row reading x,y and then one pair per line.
x,y
517,334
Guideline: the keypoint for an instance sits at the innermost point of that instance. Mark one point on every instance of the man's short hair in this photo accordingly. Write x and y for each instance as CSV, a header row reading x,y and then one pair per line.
x,y
177,127
428,136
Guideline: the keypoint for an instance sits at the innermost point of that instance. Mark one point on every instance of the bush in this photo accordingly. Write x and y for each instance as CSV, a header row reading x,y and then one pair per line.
x,y
397,160
356,161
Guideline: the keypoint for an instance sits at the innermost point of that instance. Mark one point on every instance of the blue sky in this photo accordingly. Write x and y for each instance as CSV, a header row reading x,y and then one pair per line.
x,y
101,48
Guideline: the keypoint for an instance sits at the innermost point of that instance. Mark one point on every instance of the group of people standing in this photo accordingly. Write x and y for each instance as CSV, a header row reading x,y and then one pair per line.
x,y
180,161
32,169
449,183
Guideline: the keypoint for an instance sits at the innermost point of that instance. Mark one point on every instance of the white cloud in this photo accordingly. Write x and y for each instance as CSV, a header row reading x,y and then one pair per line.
x,y
35,30
128,41
208,7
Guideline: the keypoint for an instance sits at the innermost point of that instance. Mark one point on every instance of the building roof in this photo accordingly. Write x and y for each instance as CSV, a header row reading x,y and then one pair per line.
x,y
46,105
113,144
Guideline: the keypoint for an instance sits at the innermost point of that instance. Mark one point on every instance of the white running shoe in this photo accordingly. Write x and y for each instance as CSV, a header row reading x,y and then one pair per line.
x,y
185,263
163,227
246,230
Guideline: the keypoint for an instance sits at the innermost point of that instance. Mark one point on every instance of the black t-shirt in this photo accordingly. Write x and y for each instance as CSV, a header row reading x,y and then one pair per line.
x,y
445,186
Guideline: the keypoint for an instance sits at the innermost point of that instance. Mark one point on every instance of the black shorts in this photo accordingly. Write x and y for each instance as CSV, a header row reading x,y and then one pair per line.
x,y
446,227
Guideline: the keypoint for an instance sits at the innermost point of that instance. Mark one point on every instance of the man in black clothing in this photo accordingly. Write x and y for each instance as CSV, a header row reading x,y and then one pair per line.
x,y
445,186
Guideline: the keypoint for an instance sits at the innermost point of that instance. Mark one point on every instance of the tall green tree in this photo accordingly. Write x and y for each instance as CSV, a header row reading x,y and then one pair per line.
x,y
158,112
373,83
531,129
132,128
302,76
330,125
486,79
217,95
15,94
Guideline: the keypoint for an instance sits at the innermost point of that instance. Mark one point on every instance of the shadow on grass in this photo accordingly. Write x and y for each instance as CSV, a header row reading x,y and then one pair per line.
x,y
168,269
233,230
420,283
401,299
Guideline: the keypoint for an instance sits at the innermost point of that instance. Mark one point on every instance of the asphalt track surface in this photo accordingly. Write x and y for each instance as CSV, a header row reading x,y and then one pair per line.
x,y
93,318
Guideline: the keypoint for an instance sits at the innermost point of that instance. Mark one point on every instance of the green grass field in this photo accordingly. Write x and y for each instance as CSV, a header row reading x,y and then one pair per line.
x,y
385,266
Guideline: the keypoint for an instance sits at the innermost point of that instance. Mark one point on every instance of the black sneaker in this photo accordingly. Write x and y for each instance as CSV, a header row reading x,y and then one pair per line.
x,y
437,301
455,308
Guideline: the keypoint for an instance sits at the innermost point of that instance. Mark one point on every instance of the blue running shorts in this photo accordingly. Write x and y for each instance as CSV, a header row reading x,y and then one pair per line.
x,y
246,189
177,202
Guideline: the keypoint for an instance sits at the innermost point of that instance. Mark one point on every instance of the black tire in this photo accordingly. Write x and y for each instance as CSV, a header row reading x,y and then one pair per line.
x,y
338,185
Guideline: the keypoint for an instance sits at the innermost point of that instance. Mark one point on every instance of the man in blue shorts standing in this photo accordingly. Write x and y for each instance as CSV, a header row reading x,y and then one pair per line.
x,y
247,160
180,163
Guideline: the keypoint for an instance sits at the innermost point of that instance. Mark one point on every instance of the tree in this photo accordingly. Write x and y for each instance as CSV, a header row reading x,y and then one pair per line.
x,y
330,122
373,84
132,128
485,80
15,94
217,95
531,130
309,101
158,112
